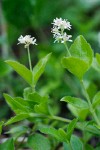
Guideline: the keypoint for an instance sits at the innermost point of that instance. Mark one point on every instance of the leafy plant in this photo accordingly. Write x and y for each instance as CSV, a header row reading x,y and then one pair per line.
x,y
48,130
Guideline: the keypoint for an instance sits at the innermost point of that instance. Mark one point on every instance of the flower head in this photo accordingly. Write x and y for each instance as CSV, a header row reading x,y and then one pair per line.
x,y
27,40
58,30
61,24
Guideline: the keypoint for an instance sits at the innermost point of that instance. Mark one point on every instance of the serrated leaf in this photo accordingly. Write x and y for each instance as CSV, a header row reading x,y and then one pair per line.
x,y
1,124
81,57
21,70
39,142
15,105
96,100
8,145
17,118
70,128
39,68
77,102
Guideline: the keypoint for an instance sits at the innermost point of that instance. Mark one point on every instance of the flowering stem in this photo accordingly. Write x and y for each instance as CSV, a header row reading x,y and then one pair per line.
x,y
29,58
67,49
90,104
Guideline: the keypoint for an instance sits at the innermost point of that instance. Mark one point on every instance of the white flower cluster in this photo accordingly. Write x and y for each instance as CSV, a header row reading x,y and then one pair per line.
x,y
27,40
58,30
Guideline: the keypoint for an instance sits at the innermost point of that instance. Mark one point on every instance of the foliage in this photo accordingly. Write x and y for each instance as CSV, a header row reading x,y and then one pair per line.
x,y
36,108
58,84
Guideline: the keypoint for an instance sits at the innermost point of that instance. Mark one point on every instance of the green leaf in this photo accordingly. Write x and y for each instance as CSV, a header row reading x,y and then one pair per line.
x,y
77,102
35,97
50,130
70,128
17,106
17,131
27,104
39,142
96,100
98,58
80,113
41,108
75,144
17,118
8,145
81,57
76,66
39,68
96,65
59,134
26,92
89,127
1,124
4,68
88,147
21,70
62,135
66,146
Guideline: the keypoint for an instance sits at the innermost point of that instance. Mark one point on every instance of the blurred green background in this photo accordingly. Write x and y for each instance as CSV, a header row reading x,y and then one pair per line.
x,y
34,17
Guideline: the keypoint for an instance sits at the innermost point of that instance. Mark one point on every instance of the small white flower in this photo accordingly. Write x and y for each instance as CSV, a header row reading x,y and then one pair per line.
x,y
55,31
66,38
27,40
58,30
61,24
58,38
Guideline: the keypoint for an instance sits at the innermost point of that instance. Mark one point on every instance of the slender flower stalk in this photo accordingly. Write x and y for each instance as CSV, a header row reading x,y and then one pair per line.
x,y
67,49
29,58
27,40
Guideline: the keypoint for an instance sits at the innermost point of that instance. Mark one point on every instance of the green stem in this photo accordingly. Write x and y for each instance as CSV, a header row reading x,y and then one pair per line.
x,y
30,65
67,49
29,59
60,119
51,117
90,104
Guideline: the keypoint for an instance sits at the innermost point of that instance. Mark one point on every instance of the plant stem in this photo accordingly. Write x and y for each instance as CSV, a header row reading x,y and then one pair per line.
x,y
67,49
90,104
29,59
30,65
60,119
